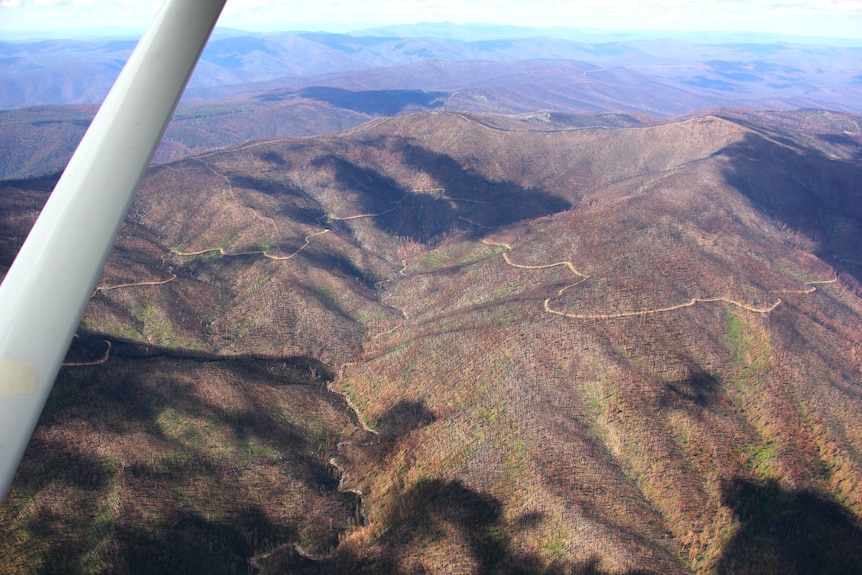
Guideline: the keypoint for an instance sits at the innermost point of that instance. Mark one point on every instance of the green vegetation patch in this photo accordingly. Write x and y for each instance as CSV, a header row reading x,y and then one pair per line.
x,y
327,292
460,254
192,433
257,283
507,290
762,457
749,347
227,240
108,328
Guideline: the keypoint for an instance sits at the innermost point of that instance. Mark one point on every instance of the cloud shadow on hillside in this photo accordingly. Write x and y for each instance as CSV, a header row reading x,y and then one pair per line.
x,y
294,202
467,200
490,203
189,543
184,507
402,418
788,532
807,192
180,542
437,512
699,387
375,102
338,264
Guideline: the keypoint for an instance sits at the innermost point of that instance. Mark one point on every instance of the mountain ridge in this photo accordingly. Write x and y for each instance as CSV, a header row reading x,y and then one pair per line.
x,y
778,73
596,349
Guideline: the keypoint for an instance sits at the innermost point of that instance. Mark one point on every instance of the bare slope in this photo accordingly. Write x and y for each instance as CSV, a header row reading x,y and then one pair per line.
x,y
629,350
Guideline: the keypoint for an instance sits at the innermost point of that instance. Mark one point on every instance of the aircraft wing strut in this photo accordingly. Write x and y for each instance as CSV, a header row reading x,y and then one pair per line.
x,y
47,288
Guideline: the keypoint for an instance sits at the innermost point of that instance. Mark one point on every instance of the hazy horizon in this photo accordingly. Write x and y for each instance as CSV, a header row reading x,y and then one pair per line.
x,y
816,20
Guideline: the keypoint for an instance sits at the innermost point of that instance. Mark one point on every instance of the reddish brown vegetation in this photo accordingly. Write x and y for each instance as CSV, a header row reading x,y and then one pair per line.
x,y
511,439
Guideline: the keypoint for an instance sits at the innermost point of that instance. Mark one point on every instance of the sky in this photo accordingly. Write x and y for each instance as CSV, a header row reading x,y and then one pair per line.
x,y
813,18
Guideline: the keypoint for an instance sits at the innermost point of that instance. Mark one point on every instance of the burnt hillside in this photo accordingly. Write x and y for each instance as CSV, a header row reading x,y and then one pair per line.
x,y
561,350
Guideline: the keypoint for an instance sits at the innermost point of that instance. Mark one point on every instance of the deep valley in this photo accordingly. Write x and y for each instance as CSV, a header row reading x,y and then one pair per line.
x,y
467,343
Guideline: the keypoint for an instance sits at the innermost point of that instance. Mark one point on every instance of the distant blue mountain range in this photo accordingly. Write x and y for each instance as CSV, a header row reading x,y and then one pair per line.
x,y
698,71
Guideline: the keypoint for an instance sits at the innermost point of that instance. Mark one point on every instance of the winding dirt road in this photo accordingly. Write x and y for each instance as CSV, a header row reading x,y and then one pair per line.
x,y
264,253
651,311
99,361
643,312
135,284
